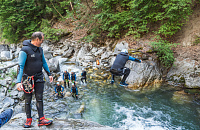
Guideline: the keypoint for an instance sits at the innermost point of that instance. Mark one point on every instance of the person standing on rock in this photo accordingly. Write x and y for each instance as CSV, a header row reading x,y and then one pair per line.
x,y
118,69
83,74
31,62
73,78
66,78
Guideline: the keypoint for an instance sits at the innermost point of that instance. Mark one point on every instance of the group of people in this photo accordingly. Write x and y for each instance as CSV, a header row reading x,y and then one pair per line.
x,y
67,78
30,76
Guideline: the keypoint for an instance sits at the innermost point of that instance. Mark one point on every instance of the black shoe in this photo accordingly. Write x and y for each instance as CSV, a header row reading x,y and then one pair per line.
x,y
5,116
112,81
123,84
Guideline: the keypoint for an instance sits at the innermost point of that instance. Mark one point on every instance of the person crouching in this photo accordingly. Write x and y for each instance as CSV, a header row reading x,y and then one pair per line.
x,y
59,90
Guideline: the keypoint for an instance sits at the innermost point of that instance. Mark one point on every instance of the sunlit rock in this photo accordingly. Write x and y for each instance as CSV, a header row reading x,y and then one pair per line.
x,y
67,94
181,97
81,109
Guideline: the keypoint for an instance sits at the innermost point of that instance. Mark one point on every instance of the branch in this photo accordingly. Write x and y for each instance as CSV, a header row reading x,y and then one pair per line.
x,y
56,10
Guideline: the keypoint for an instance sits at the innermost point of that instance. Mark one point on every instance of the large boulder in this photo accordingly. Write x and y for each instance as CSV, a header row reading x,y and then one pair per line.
x,y
185,72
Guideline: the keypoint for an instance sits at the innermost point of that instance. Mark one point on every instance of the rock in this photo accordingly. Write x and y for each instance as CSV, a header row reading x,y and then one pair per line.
x,y
14,94
181,97
48,55
67,94
81,109
185,72
106,55
8,101
68,53
18,109
3,82
100,51
120,46
5,55
53,64
143,74
21,95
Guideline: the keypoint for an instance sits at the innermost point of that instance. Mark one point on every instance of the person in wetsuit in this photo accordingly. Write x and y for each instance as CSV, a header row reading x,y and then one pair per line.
x,y
59,90
31,62
66,78
73,78
74,91
83,74
118,69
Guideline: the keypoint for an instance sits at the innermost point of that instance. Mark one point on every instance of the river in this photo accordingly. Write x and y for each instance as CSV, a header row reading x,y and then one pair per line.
x,y
115,106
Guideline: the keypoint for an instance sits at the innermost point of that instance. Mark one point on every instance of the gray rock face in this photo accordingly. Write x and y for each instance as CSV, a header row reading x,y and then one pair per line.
x,y
5,55
4,48
17,122
185,72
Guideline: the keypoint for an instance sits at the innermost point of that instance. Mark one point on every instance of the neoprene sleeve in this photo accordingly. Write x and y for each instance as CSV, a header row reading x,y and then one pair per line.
x,y
45,66
22,60
134,59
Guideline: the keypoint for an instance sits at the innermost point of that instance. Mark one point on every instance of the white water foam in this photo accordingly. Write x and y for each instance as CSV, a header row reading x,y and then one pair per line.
x,y
136,120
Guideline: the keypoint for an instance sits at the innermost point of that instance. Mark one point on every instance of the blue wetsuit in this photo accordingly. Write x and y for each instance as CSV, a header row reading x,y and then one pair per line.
x,y
58,88
74,90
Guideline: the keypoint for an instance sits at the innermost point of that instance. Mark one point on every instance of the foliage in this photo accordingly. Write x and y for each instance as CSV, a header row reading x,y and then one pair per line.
x,y
50,33
13,84
164,51
20,18
135,16
13,74
197,40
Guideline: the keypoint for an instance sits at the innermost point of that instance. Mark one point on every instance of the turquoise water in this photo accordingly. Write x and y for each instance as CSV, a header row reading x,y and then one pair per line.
x,y
117,107
147,109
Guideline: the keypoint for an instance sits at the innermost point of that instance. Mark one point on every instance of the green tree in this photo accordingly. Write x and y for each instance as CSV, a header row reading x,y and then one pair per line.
x,y
20,18
135,17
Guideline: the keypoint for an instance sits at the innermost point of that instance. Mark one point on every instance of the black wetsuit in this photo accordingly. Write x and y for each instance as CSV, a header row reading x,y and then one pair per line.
x,y
66,77
31,62
118,68
73,77
83,74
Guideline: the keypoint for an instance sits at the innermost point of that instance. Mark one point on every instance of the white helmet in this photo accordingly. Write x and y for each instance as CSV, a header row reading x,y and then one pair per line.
x,y
124,50
58,83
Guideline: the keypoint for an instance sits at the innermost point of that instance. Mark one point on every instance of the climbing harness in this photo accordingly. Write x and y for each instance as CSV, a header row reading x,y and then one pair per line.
x,y
28,84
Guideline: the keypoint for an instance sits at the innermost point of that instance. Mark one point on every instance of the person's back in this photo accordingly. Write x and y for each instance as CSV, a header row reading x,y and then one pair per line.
x,y
83,74
120,62
118,68
73,77
66,78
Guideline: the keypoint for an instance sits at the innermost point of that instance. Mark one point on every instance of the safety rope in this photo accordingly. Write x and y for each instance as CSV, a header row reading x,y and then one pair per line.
x,y
27,84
